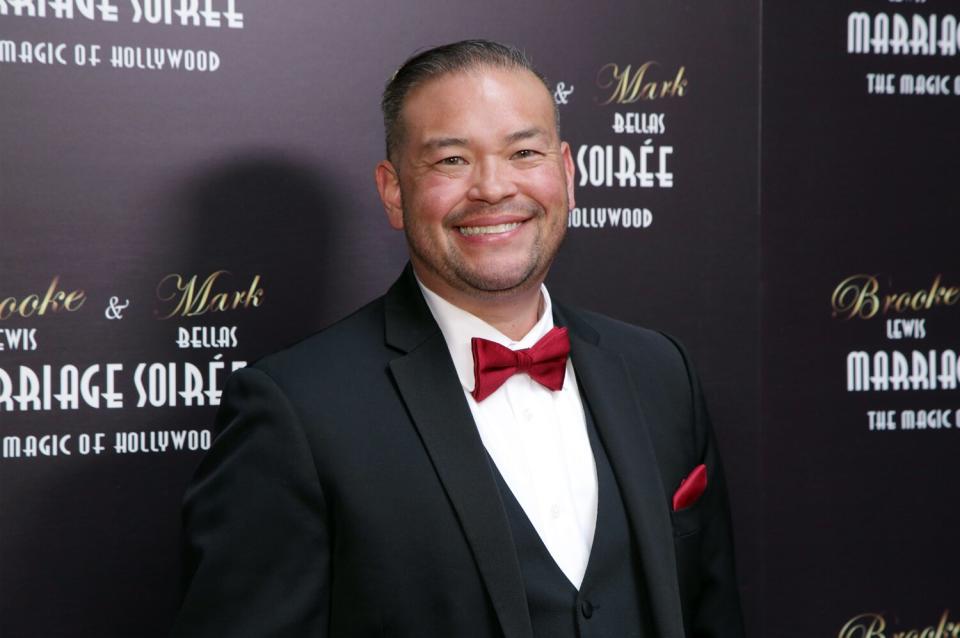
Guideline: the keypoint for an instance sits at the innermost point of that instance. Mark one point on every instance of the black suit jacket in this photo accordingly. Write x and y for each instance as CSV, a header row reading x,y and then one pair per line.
x,y
348,492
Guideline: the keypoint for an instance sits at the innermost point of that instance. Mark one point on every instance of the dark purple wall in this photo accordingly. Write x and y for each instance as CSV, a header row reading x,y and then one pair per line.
x,y
114,180
861,185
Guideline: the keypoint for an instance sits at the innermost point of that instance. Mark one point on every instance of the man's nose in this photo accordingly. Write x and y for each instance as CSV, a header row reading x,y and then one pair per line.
x,y
492,181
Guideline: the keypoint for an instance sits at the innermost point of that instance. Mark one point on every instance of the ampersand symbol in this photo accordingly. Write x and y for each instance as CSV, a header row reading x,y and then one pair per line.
x,y
561,93
115,308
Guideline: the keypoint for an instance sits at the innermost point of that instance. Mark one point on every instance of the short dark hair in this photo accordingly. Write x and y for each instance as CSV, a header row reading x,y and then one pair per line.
x,y
448,58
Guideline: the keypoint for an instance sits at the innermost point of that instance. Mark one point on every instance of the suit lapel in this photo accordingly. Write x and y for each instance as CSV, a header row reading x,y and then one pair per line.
x,y
606,383
429,386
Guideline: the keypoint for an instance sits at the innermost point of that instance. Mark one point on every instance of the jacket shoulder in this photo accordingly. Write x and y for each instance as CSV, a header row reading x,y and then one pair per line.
x,y
634,343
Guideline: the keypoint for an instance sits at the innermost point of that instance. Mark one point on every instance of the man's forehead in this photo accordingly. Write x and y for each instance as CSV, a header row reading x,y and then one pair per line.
x,y
452,96
453,84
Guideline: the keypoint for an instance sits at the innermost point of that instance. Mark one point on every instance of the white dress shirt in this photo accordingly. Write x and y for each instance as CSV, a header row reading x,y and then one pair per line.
x,y
537,437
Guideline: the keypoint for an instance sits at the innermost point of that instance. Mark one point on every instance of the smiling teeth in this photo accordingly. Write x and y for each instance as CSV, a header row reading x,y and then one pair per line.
x,y
488,230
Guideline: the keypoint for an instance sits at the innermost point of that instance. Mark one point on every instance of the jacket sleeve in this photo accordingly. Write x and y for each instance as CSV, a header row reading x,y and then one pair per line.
x,y
713,609
256,540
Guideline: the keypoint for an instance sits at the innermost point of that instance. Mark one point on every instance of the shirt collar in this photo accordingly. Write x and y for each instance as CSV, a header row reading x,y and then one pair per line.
x,y
459,327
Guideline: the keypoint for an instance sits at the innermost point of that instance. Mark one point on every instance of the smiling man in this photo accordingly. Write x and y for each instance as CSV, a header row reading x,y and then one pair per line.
x,y
463,457
481,184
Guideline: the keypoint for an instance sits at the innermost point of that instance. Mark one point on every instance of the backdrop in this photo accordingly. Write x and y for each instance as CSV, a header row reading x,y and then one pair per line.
x,y
186,186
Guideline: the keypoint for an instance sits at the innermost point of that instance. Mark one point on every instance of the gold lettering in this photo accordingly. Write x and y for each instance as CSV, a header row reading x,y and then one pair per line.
x,y
873,626
896,301
190,300
629,86
221,302
676,87
859,296
919,300
74,300
53,297
934,289
943,626
856,296
34,302
859,627
53,300
255,293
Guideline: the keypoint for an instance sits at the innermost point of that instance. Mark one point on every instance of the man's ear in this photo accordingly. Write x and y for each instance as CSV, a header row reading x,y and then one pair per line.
x,y
388,184
568,169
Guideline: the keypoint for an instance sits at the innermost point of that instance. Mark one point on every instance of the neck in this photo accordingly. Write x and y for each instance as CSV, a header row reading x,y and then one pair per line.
x,y
513,317
514,314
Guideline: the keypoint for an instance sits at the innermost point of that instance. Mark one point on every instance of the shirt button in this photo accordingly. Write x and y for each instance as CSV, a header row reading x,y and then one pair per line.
x,y
556,511
586,609
527,414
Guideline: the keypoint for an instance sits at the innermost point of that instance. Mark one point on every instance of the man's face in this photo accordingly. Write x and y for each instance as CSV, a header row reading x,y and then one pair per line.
x,y
481,184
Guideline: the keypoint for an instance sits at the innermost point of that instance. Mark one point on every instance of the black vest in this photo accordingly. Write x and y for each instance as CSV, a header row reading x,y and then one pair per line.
x,y
612,601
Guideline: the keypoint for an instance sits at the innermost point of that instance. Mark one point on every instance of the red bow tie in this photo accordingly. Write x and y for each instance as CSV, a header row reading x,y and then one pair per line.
x,y
545,362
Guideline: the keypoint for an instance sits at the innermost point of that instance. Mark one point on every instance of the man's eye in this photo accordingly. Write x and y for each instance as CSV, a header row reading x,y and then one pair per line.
x,y
526,153
452,161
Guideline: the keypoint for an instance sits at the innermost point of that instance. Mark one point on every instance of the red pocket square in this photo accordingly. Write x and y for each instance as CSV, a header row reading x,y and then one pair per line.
x,y
690,488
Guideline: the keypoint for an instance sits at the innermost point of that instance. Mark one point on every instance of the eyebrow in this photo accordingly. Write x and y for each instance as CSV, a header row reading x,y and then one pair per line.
x,y
525,134
444,142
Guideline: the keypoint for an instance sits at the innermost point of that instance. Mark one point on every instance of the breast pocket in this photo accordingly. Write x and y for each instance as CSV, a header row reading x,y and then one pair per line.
x,y
687,521
687,540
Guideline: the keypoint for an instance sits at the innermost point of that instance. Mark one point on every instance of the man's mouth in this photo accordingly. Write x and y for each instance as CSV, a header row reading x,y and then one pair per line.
x,y
487,230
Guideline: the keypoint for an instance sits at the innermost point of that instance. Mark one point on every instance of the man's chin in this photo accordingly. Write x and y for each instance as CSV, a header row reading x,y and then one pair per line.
x,y
501,283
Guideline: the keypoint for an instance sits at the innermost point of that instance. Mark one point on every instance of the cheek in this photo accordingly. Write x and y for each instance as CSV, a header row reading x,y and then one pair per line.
x,y
433,199
550,190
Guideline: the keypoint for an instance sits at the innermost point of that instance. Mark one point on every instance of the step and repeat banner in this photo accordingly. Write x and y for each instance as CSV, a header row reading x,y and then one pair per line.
x,y
187,185
861,319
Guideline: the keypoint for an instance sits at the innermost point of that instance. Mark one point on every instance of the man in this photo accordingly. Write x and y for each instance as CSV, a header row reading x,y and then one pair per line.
x,y
436,465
